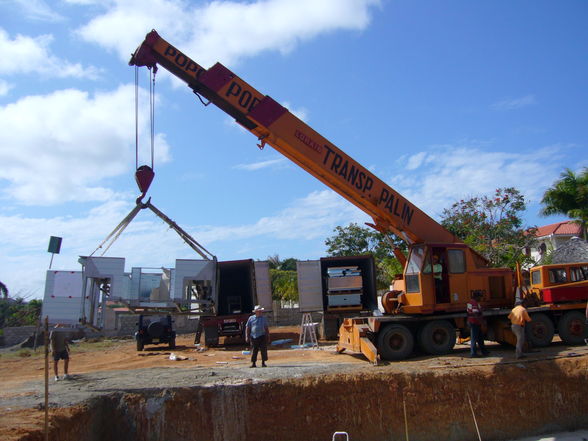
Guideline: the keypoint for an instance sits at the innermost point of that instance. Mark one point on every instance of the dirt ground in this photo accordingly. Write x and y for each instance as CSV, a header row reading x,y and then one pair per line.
x,y
105,366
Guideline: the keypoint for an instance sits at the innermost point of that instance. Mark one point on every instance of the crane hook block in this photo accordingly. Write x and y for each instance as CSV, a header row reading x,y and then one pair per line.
x,y
144,176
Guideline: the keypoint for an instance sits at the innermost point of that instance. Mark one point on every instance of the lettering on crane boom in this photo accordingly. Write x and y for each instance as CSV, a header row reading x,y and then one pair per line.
x,y
238,94
360,179
183,62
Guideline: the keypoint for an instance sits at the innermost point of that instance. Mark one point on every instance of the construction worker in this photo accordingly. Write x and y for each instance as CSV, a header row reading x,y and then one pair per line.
x,y
518,318
59,340
475,321
257,333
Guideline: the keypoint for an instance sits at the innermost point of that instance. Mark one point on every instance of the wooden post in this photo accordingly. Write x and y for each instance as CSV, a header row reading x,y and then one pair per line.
x,y
46,378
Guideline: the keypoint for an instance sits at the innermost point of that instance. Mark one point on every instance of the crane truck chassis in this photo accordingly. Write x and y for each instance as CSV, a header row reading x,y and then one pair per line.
x,y
558,291
424,306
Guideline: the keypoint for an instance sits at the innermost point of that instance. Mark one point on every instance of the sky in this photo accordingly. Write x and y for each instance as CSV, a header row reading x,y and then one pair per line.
x,y
441,100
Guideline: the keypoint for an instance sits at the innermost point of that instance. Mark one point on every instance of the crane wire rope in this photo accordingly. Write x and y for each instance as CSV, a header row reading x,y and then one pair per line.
x,y
136,117
152,113
151,116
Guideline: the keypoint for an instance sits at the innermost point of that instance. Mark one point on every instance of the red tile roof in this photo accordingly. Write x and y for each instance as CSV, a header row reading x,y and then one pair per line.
x,y
559,228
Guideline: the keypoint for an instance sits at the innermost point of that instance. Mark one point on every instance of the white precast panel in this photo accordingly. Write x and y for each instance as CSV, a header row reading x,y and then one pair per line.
x,y
310,288
62,301
263,285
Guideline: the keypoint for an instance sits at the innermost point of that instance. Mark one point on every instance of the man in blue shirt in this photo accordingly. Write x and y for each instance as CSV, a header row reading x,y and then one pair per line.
x,y
257,333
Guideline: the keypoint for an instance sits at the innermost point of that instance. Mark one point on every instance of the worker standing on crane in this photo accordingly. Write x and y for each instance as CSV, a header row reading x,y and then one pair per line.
x,y
475,321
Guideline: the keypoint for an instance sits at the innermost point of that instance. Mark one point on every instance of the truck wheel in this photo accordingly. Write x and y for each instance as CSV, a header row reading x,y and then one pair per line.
x,y
395,342
140,344
437,337
572,328
540,330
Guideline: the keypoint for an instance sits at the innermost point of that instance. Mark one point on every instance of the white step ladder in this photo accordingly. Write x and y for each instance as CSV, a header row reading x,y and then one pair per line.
x,y
307,331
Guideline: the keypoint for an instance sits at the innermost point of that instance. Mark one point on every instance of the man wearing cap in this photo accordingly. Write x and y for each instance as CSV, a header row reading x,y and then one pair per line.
x,y
519,317
257,333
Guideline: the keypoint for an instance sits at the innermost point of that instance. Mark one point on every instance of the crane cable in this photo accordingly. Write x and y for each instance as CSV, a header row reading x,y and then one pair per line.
x,y
151,116
144,174
152,112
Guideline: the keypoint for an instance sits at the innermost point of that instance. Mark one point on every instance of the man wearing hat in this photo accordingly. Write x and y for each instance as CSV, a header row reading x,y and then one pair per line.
x,y
257,333
519,317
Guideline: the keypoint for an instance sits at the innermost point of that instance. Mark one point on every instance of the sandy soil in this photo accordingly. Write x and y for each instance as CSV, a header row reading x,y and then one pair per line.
x,y
118,366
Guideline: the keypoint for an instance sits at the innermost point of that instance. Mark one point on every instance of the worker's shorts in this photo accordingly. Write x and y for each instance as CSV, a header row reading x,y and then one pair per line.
x,y
62,355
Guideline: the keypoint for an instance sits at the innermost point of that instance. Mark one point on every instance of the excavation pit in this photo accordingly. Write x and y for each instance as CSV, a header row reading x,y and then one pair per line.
x,y
309,396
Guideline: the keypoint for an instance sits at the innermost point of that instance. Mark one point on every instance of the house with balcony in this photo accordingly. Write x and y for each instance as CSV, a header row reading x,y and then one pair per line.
x,y
553,236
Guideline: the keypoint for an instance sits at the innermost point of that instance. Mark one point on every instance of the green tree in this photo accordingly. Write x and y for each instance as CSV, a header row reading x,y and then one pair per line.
x,y
492,226
284,285
569,196
18,312
283,277
354,240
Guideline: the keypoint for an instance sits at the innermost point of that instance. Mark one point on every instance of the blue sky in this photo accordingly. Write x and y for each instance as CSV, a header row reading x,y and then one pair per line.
x,y
442,100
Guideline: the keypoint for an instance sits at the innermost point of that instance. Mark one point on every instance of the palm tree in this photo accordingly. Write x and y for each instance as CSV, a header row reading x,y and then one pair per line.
x,y
3,290
569,196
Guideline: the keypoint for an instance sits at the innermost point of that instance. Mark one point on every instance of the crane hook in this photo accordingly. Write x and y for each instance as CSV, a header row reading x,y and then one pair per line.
x,y
143,176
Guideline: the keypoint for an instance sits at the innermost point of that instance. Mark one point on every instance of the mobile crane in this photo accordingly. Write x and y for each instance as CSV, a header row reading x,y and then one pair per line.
x,y
426,306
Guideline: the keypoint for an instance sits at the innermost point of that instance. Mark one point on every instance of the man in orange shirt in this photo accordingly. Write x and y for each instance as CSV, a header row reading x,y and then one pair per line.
x,y
519,317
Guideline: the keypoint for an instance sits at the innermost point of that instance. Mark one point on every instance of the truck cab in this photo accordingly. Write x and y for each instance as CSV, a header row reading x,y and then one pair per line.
x,y
442,278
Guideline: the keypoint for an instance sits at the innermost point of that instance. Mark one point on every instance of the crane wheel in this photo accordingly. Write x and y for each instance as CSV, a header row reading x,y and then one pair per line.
x,y
395,342
539,331
437,337
572,328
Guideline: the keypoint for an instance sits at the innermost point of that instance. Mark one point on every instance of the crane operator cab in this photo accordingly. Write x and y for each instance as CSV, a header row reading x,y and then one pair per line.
x,y
441,278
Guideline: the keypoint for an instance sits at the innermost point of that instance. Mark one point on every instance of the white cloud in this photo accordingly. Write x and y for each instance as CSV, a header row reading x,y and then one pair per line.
x,y
415,161
148,241
452,172
224,31
38,10
5,87
514,103
59,147
262,164
311,217
85,2
32,55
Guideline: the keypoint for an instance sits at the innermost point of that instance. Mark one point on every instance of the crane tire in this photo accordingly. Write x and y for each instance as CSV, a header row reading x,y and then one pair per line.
x,y
572,328
395,342
437,337
540,330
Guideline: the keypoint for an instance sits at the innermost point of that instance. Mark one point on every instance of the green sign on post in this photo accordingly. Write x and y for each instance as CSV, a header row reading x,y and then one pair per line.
x,y
54,244
54,247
